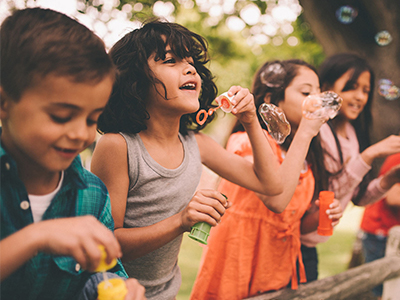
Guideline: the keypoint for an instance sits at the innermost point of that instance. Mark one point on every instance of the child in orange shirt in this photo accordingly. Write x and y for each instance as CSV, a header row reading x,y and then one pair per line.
x,y
257,245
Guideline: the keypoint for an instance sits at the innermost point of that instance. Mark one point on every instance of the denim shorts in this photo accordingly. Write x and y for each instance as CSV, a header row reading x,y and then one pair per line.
x,y
374,247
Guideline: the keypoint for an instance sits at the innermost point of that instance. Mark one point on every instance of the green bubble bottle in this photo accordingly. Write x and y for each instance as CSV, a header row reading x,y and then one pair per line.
x,y
109,289
201,231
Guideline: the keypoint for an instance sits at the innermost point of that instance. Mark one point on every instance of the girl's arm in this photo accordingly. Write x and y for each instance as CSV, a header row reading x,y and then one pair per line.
x,y
392,196
110,164
263,175
386,147
293,163
379,186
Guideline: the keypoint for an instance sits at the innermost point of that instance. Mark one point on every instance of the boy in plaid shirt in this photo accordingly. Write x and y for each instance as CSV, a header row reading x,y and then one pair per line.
x,y
56,79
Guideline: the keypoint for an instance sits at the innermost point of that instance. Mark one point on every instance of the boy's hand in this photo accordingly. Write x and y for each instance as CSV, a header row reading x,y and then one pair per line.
x,y
243,104
135,290
335,211
78,237
390,178
206,206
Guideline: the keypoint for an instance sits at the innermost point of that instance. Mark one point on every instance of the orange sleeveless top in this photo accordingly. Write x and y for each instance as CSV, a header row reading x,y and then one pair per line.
x,y
253,250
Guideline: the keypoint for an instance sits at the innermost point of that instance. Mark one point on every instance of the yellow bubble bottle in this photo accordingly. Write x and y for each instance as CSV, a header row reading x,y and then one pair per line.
x,y
109,289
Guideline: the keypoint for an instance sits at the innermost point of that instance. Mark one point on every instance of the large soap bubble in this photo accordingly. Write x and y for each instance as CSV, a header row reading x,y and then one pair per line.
x,y
275,119
326,104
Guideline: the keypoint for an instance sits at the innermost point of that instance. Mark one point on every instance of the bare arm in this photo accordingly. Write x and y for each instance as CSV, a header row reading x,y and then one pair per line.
x,y
386,147
261,176
110,164
292,164
393,196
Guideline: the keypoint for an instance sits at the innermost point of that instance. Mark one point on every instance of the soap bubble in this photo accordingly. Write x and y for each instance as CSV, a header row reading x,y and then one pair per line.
x,y
326,104
273,76
388,90
383,38
275,119
346,14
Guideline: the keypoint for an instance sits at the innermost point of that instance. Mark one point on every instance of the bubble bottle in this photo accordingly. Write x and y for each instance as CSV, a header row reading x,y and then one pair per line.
x,y
224,103
200,231
325,227
109,289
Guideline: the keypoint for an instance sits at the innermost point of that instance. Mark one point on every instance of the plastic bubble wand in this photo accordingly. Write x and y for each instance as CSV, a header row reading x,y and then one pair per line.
x,y
224,103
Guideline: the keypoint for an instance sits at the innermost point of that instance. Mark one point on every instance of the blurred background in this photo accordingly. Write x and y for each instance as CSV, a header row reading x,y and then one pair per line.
x,y
242,35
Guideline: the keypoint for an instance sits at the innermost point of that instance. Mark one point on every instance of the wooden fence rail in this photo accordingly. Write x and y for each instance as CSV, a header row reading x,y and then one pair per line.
x,y
352,282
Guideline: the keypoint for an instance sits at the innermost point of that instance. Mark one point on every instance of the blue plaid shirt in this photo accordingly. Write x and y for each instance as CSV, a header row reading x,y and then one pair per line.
x,y
47,276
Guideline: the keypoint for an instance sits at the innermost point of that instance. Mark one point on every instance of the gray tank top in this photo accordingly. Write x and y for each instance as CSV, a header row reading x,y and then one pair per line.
x,y
156,193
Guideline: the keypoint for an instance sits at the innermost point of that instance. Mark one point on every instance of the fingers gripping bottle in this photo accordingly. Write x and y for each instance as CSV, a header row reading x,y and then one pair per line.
x,y
200,231
109,289
325,227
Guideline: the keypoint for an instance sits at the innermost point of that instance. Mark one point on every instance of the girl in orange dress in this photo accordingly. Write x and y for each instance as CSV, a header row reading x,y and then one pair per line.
x,y
256,247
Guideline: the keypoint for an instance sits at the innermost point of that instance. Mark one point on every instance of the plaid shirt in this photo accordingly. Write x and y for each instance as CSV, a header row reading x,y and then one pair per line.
x,y
47,276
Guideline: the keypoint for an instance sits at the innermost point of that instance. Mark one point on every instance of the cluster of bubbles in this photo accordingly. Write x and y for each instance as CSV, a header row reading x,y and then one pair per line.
x,y
346,15
388,90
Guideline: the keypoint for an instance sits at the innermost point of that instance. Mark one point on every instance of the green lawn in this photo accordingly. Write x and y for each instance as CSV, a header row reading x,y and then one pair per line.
x,y
334,255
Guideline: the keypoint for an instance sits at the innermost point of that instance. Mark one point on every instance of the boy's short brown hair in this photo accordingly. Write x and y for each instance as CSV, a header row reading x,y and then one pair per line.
x,y
36,42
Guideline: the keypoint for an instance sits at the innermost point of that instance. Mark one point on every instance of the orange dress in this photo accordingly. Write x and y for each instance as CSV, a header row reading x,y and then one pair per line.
x,y
253,250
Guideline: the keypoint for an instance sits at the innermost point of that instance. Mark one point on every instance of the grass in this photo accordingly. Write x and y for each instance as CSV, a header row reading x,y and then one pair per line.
x,y
334,255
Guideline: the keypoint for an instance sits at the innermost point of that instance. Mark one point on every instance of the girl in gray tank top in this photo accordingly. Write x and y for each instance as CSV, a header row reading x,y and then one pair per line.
x,y
151,154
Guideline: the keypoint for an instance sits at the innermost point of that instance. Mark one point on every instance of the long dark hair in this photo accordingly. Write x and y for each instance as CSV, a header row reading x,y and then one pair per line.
x,y
126,109
288,71
330,71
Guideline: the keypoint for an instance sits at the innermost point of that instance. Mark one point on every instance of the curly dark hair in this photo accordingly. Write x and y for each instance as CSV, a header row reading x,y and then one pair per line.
x,y
126,109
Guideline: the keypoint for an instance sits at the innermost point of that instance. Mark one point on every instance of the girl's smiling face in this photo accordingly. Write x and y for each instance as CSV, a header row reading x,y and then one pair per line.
x,y
305,83
182,84
355,98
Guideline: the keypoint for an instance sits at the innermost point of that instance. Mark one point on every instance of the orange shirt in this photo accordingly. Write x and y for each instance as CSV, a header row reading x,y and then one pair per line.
x,y
253,250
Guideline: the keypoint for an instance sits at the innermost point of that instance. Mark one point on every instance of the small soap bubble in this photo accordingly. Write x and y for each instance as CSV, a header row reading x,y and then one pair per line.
x,y
388,90
346,14
326,104
275,119
273,76
383,38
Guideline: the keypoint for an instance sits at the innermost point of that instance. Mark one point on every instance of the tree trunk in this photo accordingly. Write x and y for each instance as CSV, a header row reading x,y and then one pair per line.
x,y
359,37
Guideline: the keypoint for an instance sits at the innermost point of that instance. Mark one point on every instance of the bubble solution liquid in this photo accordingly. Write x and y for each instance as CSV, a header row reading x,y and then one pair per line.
x,y
109,289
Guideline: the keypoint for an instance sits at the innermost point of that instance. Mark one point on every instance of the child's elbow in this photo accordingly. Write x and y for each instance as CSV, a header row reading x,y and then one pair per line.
x,y
274,189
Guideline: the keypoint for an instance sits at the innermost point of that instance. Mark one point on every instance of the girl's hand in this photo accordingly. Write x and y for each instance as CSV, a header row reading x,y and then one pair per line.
x,y
243,104
386,147
206,206
335,211
310,127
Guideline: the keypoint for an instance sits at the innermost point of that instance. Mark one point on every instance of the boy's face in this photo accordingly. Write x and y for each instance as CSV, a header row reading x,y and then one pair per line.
x,y
52,122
